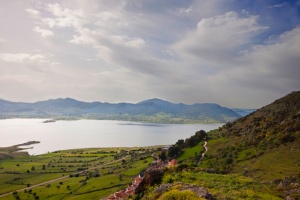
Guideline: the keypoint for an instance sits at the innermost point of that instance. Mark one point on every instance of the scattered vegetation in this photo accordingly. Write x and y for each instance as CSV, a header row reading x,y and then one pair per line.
x,y
80,174
255,157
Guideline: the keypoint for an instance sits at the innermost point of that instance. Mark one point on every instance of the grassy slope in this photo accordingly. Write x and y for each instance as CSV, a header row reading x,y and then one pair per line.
x,y
220,186
256,152
275,163
189,154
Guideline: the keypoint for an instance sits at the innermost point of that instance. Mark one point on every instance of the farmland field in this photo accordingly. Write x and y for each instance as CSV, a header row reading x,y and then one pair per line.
x,y
91,173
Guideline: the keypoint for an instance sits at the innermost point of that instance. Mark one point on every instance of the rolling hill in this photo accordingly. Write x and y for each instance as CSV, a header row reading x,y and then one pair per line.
x,y
152,110
263,146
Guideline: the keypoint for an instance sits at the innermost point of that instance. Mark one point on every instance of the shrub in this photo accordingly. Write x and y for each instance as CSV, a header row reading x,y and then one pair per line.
x,y
168,178
179,195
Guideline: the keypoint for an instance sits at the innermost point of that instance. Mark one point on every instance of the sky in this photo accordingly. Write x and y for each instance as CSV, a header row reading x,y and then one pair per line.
x,y
236,53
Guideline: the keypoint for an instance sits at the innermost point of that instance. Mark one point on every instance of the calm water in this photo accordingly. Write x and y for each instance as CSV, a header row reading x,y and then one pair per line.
x,y
92,133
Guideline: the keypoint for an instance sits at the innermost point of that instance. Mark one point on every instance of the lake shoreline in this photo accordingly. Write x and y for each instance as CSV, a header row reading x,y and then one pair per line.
x,y
93,133
166,121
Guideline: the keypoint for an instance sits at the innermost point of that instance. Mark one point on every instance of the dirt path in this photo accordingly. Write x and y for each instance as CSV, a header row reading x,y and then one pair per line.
x,y
60,178
203,154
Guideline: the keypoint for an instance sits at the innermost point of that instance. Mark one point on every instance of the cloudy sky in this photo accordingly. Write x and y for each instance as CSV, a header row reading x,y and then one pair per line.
x,y
237,53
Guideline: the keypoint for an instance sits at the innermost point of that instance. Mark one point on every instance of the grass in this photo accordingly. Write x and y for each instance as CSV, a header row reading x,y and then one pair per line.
x,y
179,195
223,186
191,153
14,175
278,163
263,165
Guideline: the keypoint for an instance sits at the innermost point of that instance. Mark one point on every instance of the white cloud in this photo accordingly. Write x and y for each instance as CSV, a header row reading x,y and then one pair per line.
x,y
22,57
186,10
43,32
183,51
85,36
279,5
35,62
219,36
64,17
124,40
280,59
33,13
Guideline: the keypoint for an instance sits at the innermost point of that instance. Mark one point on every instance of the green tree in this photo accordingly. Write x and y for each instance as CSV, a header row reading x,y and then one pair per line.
x,y
162,156
120,177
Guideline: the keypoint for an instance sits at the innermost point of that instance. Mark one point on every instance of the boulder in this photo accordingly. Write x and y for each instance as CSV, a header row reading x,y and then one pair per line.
x,y
152,177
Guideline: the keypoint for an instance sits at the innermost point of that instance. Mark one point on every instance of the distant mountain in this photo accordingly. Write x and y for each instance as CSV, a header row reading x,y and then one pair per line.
x,y
151,110
243,112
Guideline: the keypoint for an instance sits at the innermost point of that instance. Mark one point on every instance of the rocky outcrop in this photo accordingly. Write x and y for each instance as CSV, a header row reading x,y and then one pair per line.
x,y
290,186
199,191
152,177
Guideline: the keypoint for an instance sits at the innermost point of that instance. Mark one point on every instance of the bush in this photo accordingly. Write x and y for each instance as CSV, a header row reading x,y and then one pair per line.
x,y
179,195
168,178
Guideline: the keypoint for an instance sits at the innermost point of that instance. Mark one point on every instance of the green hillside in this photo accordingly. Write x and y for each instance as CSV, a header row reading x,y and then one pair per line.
x,y
267,140
254,157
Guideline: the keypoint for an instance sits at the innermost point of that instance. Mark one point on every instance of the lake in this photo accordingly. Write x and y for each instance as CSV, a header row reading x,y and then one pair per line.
x,y
62,135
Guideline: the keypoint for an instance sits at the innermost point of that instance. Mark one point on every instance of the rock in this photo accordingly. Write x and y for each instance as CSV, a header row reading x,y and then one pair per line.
x,y
276,181
295,185
163,188
152,177
289,198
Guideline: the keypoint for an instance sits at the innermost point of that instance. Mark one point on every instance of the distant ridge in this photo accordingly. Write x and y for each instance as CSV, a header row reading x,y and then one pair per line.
x,y
151,110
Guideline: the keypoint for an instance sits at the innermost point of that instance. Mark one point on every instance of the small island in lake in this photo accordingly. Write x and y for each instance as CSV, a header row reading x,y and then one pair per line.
x,y
16,150
49,121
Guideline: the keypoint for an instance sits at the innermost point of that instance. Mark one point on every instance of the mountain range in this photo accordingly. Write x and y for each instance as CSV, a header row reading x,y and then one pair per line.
x,y
151,110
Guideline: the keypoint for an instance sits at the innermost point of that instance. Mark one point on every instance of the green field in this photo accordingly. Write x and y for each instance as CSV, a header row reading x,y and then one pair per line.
x,y
107,170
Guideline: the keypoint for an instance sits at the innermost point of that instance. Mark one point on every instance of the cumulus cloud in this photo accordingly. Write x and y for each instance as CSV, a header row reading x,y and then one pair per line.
x,y
84,36
182,51
22,57
127,42
219,36
43,32
64,17
33,13
35,62
281,58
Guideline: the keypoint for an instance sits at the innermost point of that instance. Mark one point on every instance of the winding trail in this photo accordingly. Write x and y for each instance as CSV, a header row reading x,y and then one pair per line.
x,y
203,154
